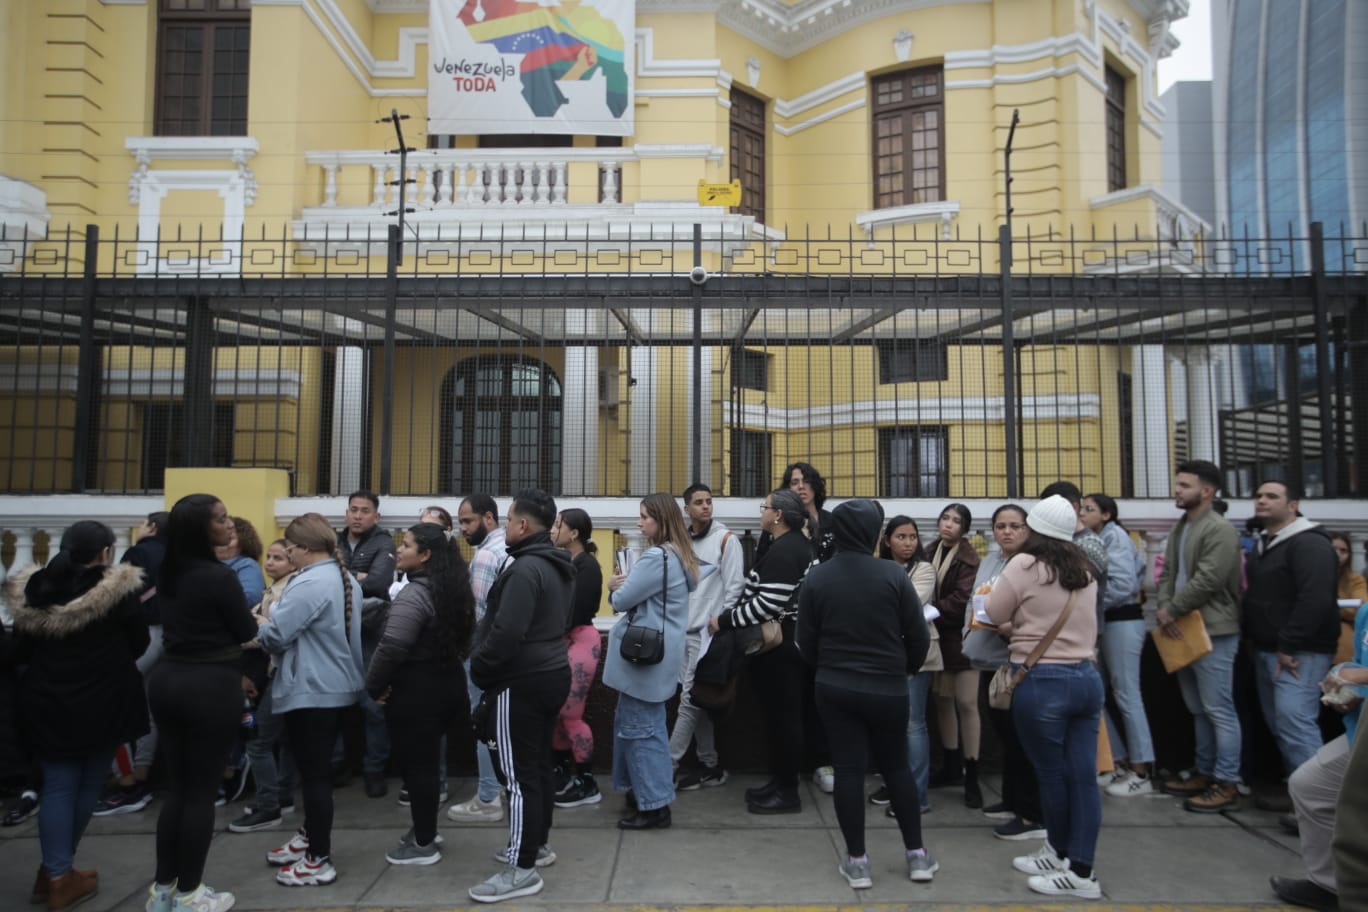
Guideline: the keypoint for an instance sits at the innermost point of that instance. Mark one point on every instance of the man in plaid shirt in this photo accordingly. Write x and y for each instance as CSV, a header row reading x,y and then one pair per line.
x,y
478,518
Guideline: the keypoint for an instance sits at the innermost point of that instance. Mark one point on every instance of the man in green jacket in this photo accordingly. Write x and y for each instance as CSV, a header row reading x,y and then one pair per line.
x,y
1202,573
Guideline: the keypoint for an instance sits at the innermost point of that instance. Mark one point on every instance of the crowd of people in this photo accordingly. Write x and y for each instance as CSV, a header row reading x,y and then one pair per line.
x,y
849,626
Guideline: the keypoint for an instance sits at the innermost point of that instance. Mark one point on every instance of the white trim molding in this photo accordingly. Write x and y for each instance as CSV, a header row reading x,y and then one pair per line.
x,y
51,378
947,410
24,216
943,212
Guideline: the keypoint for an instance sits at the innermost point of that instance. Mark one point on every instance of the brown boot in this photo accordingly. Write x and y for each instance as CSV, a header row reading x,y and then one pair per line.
x,y
40,887
1220,796
71,889
1193,785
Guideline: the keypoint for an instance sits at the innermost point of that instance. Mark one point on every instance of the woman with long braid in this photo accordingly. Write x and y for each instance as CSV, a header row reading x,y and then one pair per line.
x,y
315,633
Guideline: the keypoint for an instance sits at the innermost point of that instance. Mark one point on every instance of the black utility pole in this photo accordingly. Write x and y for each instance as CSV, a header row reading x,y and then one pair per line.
x,y
696,458
394,256
403,181
1010,429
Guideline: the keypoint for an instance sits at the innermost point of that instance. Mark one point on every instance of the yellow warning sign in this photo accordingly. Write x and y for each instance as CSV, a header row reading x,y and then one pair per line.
x,y
719,194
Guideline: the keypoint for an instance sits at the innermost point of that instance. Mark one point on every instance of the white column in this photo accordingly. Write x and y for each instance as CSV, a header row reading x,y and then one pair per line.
x,y
23,548
641,392
1201,403
712,475
579,411
1150,424
121,542
1153,547
349,412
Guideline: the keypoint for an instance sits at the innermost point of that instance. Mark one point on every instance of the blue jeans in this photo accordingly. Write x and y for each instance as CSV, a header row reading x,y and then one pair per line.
x,y
1056,709
1122,643
1291,705
377,733
641,753
1208,688
918,738
274,781
70,790
488,788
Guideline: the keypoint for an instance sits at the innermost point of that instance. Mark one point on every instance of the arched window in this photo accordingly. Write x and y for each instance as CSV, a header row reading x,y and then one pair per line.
x,y
501,426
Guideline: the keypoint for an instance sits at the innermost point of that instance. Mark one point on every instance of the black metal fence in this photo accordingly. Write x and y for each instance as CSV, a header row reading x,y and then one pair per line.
x,y
906,366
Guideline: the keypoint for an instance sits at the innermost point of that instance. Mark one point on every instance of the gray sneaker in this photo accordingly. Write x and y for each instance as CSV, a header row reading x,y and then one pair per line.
x,y
437,840
408,852
856,874
509,883
922,867
545,856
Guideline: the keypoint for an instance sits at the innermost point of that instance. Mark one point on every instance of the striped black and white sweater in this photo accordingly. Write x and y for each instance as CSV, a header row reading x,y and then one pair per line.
x,y
770,592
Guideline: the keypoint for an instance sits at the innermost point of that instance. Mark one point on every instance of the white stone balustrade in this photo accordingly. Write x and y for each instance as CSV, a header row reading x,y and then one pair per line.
x,y
464,178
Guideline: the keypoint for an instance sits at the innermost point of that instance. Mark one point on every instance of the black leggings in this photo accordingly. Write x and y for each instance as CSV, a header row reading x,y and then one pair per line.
x,y
198,708
425,699
779,678
861,725
312,733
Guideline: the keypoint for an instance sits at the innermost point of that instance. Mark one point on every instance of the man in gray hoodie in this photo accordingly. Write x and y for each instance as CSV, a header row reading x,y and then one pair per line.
x,y
722,577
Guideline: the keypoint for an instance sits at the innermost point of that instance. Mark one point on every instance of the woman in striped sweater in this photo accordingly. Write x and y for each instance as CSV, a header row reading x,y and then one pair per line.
x,y
780,675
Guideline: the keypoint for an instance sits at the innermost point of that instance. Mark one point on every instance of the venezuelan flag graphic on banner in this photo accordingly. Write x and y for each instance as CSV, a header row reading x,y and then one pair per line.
x,y
503,66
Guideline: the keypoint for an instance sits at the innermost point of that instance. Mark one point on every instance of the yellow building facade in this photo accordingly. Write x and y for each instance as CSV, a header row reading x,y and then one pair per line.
x,y
214,141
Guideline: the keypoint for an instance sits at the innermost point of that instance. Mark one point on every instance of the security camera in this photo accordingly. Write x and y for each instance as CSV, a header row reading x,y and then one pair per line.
x,y
698,275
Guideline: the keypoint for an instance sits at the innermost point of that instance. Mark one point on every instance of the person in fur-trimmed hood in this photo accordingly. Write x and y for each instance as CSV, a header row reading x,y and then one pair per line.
x,y
1292,617
79,630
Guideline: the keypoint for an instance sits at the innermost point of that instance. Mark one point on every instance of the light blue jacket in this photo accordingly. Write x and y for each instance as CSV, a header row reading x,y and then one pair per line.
x,y
1125,568
661,600
319,666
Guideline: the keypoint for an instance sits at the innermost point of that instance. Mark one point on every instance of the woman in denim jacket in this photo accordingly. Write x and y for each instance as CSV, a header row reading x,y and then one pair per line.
x,y
656,592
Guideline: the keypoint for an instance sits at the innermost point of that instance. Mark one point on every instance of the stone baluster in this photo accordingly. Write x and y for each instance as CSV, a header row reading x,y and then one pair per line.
x,y
330,185
527,176
475,190
379,190
610,182
543,179
1154,543
447,192
23,549
636,542
122,538
559,188
427,191
507,176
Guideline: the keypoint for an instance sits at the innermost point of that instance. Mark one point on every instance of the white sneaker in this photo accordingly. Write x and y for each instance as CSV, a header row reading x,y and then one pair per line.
x,y
1130,788
160,900
1066,883
508,883
545,856
1120,774
203,899
477,811
1043,861
311,872
824,777
290,852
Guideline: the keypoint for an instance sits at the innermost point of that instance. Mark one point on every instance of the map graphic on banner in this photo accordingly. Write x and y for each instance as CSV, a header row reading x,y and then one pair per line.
x,y
502,66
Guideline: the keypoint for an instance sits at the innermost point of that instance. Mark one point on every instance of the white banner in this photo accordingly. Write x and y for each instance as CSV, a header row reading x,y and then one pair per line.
x,y
500,66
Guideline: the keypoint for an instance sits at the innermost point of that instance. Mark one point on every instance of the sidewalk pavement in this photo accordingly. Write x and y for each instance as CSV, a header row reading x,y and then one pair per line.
x,y
1153,855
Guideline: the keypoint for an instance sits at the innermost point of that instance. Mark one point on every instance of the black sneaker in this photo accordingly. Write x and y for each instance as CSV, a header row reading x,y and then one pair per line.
x,y
256,819
21,810
585,791
124,801
231,789
712,776
690,781
880,796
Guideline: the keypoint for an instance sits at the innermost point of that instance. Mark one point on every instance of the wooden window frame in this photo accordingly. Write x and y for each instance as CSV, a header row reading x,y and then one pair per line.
x,y
214,15
907,106
1116,130
748,117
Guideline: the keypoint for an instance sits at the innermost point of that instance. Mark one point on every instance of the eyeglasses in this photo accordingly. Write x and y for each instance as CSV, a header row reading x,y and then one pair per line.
x,y
764,507
1009,527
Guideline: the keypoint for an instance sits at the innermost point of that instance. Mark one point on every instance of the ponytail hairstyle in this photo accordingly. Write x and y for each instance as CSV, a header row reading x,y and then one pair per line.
x,y
661,507
187,538
1107,505
790,508
452,598
577,519
312,533
82,544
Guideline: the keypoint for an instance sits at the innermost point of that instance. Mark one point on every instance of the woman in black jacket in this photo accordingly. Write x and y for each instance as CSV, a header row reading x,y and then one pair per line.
x,y
860,623
417,673
79,630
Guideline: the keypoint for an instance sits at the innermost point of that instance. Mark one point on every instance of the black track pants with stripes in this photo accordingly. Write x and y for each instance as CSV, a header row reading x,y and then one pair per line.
x,y
524,718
